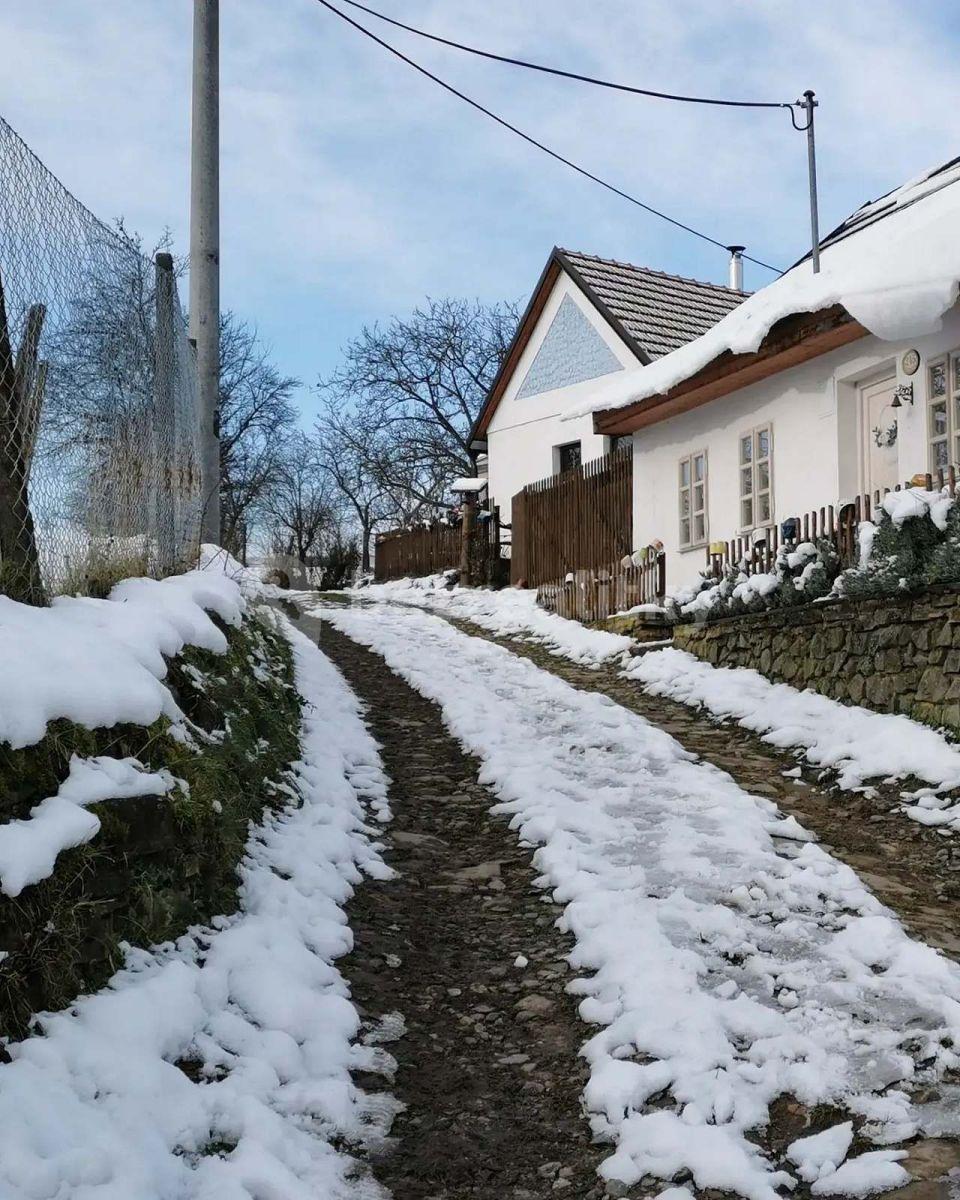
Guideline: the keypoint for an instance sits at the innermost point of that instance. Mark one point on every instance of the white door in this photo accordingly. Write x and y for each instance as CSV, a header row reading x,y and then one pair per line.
x,y
879,429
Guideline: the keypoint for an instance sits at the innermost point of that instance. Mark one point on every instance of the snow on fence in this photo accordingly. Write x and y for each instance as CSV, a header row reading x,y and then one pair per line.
x,y
757,553
99,462
578,520
428,550
595,594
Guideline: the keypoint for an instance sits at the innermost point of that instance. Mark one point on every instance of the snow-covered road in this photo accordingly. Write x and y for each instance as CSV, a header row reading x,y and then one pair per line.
x,y
724,959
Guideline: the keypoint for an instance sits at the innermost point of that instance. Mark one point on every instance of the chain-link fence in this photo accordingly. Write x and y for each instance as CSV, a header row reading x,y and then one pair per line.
x,y
99,439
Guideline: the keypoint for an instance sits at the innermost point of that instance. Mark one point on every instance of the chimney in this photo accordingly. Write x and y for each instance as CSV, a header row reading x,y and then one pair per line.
x,y
736,267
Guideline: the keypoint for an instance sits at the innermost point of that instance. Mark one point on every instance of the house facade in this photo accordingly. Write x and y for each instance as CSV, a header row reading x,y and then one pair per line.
x,y
818,389
589,319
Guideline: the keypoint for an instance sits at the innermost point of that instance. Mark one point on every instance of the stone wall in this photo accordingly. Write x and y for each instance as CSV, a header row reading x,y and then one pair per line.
x,y
891,654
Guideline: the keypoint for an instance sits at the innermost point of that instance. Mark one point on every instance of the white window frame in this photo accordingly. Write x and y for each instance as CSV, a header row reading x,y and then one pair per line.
x,y
688,490
753,465
558,467
949,401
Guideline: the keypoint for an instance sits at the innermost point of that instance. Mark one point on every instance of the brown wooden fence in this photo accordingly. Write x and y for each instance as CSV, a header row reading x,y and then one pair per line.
x,y
402,553
574,521
838,525
595,594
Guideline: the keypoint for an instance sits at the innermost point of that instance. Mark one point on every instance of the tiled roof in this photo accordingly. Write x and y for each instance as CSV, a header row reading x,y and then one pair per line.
x,y
660,312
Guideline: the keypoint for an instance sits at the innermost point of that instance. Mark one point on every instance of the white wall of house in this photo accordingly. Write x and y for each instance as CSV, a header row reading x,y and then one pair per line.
x,y
524,433
821,441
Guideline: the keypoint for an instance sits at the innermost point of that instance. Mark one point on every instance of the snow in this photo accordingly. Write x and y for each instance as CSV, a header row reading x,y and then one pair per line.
x,y
821,1153
99,662
855,742
29,848
468,485
918,502
511,612
866,535
896,277
97,1109
720,965
878,1171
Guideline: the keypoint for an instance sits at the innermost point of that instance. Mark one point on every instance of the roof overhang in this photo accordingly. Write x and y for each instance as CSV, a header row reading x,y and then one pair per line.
x,y
793,340
556,263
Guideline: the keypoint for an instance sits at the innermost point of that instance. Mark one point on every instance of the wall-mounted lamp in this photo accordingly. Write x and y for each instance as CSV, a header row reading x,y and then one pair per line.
x,y
902,392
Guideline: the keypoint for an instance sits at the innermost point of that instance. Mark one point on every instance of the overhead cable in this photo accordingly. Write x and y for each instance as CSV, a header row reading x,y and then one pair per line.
x,y
530,140
532,66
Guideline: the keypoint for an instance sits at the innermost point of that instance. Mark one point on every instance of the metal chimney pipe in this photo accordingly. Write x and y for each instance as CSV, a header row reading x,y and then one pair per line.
x,y
736,267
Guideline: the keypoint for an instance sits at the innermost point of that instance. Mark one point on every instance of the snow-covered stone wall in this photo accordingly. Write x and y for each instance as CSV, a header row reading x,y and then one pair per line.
x,y
891,655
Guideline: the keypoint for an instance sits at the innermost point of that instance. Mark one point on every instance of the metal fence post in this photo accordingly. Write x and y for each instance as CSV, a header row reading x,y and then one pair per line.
x,y
165,417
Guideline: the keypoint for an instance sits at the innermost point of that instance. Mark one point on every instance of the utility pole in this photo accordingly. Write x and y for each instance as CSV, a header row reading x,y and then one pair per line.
x,y
810,104
205,251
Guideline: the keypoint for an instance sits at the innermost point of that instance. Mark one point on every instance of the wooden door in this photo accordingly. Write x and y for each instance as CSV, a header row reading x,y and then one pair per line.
x,y
879,437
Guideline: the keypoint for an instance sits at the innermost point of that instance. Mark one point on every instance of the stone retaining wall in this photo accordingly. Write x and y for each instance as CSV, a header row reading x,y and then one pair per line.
x,y
892,655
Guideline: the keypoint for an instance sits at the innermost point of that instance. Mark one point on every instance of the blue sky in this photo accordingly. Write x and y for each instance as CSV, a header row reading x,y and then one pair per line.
x,y
352,188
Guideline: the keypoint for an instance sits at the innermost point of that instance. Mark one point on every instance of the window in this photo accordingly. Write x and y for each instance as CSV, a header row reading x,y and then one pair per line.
x,y
568,456
756,477
943,408
693,500
621,441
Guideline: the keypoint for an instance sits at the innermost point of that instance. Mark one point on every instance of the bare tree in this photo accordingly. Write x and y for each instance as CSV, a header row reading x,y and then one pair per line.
x,y
403,401
344,459
300,506
256,416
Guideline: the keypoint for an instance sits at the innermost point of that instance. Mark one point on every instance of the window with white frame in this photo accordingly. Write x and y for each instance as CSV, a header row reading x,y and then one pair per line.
x,y
756,477
943,411
693,500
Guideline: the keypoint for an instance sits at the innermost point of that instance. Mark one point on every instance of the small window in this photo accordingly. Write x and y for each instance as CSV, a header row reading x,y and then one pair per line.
x,y
621,441
943,412
693,500
568,456
756,477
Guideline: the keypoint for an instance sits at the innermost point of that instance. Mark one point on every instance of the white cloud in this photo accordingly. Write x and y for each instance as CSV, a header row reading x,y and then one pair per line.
x,y
351,187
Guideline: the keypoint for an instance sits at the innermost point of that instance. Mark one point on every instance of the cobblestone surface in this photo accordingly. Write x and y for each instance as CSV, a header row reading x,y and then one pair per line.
x,y
489,1067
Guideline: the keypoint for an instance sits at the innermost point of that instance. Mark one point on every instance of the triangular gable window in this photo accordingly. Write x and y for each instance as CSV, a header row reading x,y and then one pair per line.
x,y
571,352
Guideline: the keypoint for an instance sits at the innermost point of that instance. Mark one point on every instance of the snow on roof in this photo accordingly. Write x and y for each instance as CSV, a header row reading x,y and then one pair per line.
x,y
896,276
468,485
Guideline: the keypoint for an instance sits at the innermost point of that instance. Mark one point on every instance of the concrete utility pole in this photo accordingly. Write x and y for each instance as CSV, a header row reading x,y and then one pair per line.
x,y
205,250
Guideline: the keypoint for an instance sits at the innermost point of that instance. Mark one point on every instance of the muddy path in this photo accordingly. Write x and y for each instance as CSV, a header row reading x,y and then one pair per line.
x,y
488,1066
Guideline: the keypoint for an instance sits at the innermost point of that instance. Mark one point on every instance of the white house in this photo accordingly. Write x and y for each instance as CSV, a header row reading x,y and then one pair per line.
x,y
816,389
588,318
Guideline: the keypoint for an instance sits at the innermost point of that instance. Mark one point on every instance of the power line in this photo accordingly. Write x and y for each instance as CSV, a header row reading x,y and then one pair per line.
x,y
554,154
532,66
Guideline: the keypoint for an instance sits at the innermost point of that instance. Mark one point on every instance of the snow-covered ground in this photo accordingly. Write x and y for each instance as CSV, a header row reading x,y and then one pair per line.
x,y
723,957
858,744
95,1107
511,612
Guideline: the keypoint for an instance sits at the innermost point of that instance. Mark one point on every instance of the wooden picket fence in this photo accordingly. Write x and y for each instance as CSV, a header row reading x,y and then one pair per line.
x,y
838,525
578,520
595,594
409,553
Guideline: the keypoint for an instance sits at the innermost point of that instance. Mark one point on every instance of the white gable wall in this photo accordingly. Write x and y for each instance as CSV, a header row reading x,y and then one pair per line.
x,y
813,411
524,432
